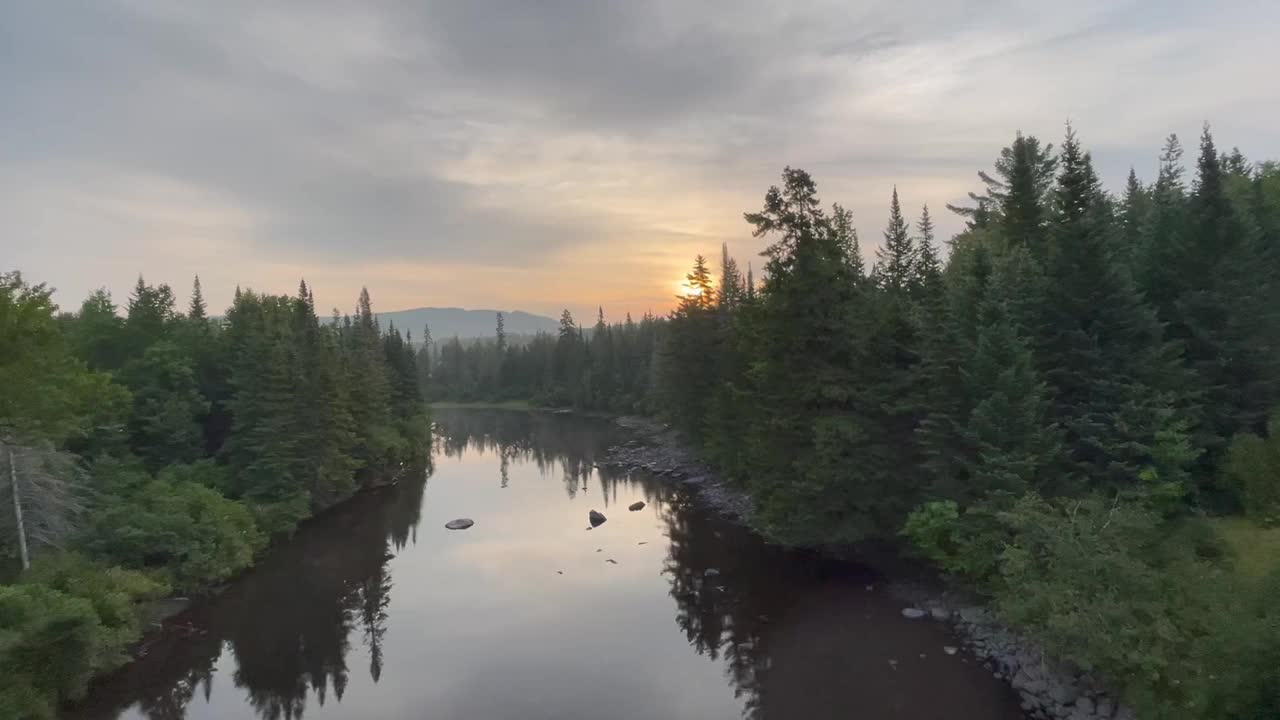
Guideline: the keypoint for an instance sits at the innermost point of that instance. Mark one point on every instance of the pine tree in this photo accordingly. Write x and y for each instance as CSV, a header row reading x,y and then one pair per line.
x,y
1101,351
818,468
149,315
730,292
1228,308
1013,448
1135,207
196,311
1023,212
370,386
1016,198
847,236
896,258
1162,270
927,275
688,358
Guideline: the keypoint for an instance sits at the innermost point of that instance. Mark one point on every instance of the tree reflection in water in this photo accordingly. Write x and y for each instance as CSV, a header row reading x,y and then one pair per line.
x,y
288,622
794,638
335,574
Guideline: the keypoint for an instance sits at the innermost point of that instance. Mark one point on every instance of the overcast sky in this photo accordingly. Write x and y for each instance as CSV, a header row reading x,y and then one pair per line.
x,y
537,154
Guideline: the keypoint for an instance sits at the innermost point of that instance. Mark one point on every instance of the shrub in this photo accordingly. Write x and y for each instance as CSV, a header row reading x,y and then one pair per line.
x,y
68,619
189,531
1253,466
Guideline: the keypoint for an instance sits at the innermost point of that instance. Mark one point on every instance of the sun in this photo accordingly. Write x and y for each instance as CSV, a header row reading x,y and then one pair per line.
x,y
687,290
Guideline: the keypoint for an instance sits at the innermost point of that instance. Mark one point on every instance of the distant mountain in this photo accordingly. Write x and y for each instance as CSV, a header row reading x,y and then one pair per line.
x,y
448,322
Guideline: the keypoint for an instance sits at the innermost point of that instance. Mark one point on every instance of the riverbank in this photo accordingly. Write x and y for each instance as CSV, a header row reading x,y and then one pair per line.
x,y
1049,690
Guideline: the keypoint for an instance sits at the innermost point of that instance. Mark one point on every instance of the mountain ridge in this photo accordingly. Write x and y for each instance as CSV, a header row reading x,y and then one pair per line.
x,y
448,322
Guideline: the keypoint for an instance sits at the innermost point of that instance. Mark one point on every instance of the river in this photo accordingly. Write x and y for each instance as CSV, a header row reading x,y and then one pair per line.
x,y
375,610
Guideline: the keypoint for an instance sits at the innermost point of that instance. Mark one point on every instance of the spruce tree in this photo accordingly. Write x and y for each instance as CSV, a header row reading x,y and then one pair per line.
x,y
1135,207
196,310
927,277
1028,178
1100,350
730,292
819,470
847,236
1163,270
370,386
1011,445
896,258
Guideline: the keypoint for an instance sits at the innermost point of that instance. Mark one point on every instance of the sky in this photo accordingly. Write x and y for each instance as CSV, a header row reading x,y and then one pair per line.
x,y
544,154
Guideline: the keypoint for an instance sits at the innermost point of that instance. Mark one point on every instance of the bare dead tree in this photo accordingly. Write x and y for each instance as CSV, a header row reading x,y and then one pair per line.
x,y
43,488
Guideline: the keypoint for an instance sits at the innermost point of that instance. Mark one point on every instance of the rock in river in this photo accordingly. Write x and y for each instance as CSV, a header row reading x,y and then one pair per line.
x,y
595,518
913,613
460,524
637,505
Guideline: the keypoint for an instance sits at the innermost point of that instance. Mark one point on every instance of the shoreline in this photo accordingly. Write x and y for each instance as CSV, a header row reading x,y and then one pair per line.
x,y
1049,689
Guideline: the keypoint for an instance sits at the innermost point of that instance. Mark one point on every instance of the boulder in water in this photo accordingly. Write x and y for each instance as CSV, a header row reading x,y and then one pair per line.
x,y
596,518
637,505
913,613
460,524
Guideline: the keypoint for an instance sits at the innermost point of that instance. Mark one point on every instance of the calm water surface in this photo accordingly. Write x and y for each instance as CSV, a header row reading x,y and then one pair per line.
x,y
376,611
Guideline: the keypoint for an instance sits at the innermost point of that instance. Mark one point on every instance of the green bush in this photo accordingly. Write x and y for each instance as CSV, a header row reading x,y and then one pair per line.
x,y
1109,585
1246,685
68,619
1253,466
184,529
46,650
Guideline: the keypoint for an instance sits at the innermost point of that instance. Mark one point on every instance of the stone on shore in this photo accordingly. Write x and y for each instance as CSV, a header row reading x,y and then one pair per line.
x,y
637,505
596,518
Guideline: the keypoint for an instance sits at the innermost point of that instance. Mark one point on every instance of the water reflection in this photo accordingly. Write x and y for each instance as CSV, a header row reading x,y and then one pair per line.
x,y
532,615
287,625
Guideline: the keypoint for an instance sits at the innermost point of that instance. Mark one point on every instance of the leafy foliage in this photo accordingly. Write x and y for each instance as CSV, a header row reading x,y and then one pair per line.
x,y
176,446
1253,464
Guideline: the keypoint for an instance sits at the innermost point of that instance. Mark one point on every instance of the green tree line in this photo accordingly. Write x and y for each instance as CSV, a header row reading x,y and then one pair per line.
x,y
1054,406
152,451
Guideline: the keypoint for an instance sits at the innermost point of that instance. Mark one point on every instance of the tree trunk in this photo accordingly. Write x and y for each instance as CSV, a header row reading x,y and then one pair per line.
x,y
17,513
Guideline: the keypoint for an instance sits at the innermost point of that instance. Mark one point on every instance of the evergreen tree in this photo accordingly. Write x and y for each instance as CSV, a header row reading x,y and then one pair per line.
x,y
688,356
1016,198
1013,446
896,258
196,311
1101,351
847,236
1135,207
370,388
927,275
817,469
149,315
1163,270
730,293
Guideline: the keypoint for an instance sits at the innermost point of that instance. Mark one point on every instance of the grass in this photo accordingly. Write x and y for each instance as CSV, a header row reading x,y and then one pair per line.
x,y
505,405
1257,548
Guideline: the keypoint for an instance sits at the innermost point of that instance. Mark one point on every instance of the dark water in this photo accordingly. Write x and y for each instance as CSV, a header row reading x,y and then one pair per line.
x,y
376,611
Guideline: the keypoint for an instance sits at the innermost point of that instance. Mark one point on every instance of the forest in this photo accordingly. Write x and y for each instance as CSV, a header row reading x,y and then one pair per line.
x,y
148,452
1072,407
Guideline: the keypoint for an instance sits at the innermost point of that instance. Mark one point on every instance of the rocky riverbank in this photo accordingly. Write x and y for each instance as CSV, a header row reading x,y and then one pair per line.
x,y
1050,690
658,449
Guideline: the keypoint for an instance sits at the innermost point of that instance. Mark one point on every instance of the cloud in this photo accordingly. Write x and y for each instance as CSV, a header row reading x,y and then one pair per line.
x,y
563,152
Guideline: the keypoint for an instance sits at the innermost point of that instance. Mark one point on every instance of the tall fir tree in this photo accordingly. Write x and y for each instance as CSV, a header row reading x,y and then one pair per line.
x,y
896,258
1101,349
196,310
